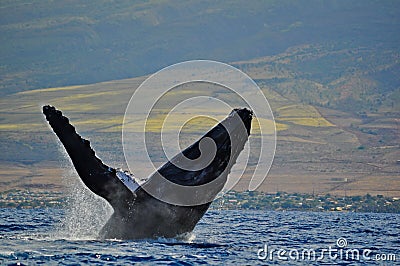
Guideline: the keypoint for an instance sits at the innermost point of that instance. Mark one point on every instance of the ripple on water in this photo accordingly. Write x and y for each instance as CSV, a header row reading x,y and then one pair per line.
x,y
233,237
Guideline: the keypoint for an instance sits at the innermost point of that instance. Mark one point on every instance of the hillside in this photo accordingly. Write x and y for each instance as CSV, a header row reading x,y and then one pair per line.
x,y
330,70
55,43
320,148
334,76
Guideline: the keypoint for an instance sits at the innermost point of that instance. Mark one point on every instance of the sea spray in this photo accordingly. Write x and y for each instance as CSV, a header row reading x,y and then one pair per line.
x,y
85,212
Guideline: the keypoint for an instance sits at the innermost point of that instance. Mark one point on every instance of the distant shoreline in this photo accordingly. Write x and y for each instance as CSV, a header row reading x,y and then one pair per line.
x,y
254,200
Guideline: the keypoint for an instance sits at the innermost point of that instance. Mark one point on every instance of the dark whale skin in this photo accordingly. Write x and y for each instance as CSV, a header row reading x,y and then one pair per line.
x,y
139,215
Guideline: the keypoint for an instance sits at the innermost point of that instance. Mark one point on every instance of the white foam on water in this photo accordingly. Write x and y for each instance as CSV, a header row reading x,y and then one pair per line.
x,y
185,238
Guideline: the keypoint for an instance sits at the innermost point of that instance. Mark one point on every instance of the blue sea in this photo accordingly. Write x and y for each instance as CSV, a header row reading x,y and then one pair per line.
x,y
62,237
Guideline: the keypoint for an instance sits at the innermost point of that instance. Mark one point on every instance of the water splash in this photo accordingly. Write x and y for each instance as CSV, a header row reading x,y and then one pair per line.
x,y
189,237
85,212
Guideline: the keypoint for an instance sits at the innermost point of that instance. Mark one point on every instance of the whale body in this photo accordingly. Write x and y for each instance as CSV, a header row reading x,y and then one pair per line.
x,y
137,213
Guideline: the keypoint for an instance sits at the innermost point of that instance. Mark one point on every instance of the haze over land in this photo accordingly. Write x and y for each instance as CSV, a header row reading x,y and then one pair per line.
x,y
330,70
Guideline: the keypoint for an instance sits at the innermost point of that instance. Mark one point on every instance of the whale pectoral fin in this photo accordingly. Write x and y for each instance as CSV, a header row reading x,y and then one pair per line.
x,y
98,177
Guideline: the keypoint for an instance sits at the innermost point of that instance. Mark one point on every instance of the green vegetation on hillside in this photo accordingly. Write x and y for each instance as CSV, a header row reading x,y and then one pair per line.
x,y
57,43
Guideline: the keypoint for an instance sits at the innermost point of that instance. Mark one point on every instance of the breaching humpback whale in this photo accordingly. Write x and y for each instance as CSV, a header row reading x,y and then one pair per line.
x,y
138,214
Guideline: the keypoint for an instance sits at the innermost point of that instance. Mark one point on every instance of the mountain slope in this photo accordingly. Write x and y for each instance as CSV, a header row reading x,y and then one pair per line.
x,y
55,43
325,149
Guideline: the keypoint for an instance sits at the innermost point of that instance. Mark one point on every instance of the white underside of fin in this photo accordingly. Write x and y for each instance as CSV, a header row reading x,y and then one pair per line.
x,y
128,180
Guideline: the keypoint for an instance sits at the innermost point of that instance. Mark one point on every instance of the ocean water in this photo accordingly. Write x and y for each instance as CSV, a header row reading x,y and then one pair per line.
x,y
57,237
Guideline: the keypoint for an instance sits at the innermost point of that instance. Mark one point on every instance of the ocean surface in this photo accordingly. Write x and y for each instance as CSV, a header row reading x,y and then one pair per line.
x,y
68,237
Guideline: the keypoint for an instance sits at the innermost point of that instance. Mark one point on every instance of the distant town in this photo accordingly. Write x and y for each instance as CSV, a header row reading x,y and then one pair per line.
x,y
247,200
281,201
